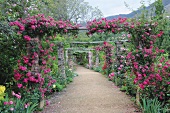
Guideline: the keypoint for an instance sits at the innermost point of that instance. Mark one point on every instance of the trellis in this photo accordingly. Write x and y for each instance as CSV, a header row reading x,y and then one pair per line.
x,y
69,51
69,59
78,49
90,54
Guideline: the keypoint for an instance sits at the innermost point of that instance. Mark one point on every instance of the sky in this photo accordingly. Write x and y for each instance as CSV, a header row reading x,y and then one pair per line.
x,y
115,7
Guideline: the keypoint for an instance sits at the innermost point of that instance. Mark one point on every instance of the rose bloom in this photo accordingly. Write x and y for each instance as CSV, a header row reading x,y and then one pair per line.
x,y
11,102
5,103
12,109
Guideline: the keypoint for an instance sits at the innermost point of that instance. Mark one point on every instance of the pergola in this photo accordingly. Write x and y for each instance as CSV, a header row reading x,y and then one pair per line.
x,y
62,53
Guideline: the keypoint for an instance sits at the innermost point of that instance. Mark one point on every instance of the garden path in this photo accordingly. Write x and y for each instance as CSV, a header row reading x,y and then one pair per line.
x,y
90,92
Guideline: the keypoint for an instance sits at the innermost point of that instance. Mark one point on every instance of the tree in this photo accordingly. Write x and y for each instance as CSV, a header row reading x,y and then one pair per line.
x,y
14,9
71,10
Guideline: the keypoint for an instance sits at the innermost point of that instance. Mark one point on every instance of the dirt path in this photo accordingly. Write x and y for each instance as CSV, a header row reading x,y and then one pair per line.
x,y
90,92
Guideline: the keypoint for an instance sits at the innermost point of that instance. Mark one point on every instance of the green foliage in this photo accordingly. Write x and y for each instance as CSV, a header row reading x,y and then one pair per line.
x,y
54,68
33,96
14,9
123,88
98,69
69,79
81,58
131,87
152,106
70,75
57,87
82,37
159,8
118,81
60,83
72,10
11,48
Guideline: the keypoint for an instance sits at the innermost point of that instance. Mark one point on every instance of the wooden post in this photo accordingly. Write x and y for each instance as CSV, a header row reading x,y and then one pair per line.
x,y
70,59
90,54
42,103
66,53
138,96
61,62
97,59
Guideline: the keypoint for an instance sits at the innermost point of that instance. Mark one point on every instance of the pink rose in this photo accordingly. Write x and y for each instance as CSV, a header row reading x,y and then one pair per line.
x,y
5,103
11,102
27,38
19,85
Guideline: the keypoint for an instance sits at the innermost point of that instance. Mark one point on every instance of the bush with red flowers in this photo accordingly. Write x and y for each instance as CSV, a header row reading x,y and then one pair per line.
x,y
143,53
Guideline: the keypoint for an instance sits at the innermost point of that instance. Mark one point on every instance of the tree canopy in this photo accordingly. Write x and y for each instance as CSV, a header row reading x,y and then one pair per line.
x,y
71,10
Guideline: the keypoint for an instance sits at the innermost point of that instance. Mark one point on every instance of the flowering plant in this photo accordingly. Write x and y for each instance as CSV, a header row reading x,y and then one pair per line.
x,y
26,79
39,25
107,48
111,75
2,90
16,104
142,54
34,68
104,25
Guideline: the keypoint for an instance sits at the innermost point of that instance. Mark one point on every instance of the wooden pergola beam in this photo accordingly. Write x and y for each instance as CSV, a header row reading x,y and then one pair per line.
x,y
98,42
80,28
84,49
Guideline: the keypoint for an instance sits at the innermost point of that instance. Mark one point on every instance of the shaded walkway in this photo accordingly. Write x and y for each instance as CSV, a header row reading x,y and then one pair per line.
x,y
90,92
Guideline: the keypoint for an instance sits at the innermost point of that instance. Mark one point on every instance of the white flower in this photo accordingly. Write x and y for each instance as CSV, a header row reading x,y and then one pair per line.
x,y
54,86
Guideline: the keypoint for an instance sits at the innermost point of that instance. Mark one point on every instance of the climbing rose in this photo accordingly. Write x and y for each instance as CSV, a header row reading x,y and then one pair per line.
x,y
19,85
5,103
141,86
11,102
17,76
18,96
12,109
25,80
13,93
111,75
27,38
105,43
22,68
33,27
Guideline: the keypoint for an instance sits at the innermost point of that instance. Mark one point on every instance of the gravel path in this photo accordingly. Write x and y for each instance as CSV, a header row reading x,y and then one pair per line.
x,y
90,92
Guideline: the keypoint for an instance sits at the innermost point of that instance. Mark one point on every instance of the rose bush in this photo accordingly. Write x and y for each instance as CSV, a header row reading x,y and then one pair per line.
x,y
33,73
142,54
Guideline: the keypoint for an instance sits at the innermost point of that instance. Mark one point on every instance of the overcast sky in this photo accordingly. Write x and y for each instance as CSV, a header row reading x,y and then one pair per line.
x,y
115,7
